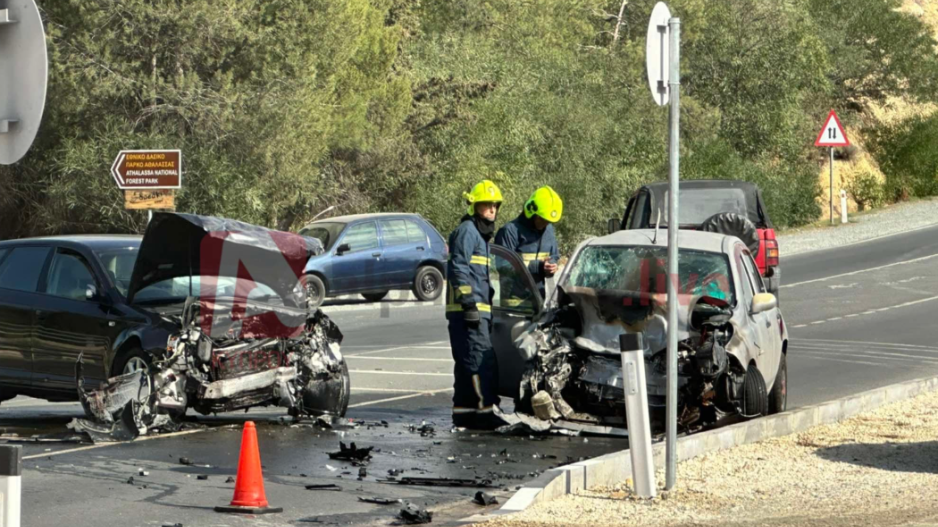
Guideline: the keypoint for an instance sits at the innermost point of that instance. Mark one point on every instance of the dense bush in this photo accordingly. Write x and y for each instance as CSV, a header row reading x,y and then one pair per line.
x,y
283,108
907,155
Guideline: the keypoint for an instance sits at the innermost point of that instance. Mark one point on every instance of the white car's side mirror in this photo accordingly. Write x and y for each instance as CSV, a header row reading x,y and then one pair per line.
x,y
763,302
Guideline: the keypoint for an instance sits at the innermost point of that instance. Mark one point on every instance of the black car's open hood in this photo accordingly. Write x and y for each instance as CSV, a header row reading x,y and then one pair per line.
x,y
180,245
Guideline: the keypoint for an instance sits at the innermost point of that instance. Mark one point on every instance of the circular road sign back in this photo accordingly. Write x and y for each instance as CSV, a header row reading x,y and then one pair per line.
x,y
24,69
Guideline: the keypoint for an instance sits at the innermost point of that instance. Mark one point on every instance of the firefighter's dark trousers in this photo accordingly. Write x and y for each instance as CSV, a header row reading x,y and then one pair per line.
x,y
475,371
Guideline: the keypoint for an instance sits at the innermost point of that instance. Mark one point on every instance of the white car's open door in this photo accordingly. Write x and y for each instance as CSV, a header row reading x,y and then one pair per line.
x,y
515,306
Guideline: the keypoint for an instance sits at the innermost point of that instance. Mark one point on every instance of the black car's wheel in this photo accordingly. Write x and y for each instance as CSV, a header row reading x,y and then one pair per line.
x,y
375,297
328,397
131,361
778,397
315,290
428,284
755,398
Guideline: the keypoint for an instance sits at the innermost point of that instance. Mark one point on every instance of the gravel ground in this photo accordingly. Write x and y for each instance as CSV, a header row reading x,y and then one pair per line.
x,y
879,468
891,220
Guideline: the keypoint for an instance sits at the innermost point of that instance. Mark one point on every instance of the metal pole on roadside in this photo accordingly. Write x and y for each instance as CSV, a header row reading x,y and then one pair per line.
x,y
674,83
636,412
11,471
831,193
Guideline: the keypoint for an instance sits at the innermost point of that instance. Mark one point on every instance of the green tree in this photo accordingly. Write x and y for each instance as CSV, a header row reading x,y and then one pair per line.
x,y
265,98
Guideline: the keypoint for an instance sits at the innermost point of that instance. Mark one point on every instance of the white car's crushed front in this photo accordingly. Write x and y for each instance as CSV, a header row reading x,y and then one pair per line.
x,y
731,335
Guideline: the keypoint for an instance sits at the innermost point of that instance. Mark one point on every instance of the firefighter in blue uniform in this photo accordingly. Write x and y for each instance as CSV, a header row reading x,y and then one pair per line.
x,y
532,236
469,311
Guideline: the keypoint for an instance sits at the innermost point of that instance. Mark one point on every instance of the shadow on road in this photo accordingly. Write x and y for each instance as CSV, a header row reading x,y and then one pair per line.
x,y
919,457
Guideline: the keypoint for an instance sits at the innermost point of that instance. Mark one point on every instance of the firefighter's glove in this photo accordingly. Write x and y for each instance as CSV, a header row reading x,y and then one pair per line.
x,y
471,315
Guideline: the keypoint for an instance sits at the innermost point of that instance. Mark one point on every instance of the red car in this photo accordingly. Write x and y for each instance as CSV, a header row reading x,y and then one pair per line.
x,y
713,205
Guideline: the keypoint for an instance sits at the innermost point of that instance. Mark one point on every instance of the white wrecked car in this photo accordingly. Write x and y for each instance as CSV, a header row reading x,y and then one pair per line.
x,y
562,363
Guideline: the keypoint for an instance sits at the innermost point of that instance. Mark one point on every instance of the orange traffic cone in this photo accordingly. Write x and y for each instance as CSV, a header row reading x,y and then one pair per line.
x,y
249,497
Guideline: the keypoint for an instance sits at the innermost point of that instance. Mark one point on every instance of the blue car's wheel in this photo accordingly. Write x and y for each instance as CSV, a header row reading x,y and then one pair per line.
x,y
315,291
428,284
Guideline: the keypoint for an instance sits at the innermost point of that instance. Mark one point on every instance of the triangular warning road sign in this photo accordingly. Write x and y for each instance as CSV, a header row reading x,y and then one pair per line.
x,y
833,133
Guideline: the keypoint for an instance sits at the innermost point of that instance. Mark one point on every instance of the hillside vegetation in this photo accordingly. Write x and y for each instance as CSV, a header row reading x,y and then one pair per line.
x,y
283,108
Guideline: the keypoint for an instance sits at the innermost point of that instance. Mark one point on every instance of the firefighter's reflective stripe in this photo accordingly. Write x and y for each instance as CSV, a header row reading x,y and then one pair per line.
x,y
487,410
464,290
460,410
515,302
483,308
530,257
478,386
478,260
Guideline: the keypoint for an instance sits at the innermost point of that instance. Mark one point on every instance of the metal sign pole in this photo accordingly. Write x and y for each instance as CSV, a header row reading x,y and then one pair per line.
x,y
674,83
832,184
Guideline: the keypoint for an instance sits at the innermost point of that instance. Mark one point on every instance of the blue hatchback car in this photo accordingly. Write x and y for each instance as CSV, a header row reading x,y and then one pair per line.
x,y
371,254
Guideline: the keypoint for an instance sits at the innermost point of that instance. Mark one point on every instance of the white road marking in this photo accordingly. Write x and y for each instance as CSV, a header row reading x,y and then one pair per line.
x,y
812,355
842,286
400,358
382,372
383,390
375,351
102,445
401,398
826,278
870,353
870,312
447,348
855,343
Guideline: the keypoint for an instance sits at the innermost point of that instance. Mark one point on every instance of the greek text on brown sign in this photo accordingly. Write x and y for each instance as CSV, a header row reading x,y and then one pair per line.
x,y
148,169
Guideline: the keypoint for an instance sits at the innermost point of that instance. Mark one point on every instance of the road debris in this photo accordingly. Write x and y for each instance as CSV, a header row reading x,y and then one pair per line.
x,y
44,438
413,515
445,482
484,498
202,477
230,480
142,472
351,453
380,501
324,486
424,429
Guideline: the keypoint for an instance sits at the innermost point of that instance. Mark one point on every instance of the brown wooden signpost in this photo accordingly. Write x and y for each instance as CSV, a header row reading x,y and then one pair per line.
x,y
149,178
149,199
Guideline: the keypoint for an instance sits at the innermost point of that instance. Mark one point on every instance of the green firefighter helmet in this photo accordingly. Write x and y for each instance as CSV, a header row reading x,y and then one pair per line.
x,y
546,203
483,192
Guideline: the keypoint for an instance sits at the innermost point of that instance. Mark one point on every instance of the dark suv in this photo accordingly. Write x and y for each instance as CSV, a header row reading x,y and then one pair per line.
x,y
714,205
371,254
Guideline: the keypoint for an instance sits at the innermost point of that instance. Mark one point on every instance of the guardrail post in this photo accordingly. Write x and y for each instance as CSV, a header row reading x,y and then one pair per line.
x,y
843,206
636,412
11,470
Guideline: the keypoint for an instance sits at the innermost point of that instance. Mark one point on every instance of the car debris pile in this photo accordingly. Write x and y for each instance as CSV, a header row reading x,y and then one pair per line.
x,y
216,356
573,379
190,374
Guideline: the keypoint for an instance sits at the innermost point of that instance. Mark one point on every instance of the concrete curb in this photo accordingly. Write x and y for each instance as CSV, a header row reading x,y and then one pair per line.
x,y
616,467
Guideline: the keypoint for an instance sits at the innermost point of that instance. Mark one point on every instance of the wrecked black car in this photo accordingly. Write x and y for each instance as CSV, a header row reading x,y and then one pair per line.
x,y
561,362
219,321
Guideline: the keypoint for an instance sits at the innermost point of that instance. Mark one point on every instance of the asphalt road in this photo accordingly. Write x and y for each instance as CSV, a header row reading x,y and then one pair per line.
x,y
859,317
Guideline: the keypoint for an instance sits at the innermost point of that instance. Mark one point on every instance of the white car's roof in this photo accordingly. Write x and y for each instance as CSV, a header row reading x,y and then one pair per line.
x,y
686,239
